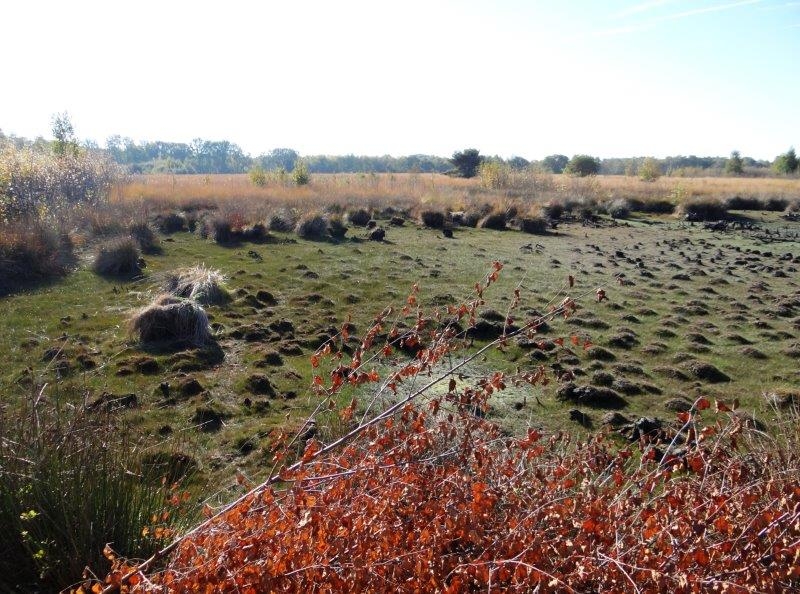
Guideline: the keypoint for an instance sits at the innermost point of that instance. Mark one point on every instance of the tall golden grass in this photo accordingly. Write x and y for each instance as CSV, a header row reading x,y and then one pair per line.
x,y
415,191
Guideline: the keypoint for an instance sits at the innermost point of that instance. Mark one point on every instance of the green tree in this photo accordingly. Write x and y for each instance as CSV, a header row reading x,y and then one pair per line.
x,y
583,165
556,163
649,170
787,162
734,165
64,141
467,162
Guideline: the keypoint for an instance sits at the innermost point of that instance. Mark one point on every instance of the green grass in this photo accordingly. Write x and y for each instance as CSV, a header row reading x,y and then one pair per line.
x,y
319,284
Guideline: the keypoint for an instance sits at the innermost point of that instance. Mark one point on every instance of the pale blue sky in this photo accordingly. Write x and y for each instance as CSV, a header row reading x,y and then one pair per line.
x,y
509,77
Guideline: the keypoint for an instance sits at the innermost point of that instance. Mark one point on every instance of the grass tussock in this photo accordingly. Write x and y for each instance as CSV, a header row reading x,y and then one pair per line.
x,y
702,210
32,253
145,235
204,285
495,220
312,226
433,219
359,217
70,482
170,319
117,257
533,225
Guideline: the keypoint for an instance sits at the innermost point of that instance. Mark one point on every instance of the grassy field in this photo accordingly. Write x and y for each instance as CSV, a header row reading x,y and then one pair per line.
x,y
690,312
420,190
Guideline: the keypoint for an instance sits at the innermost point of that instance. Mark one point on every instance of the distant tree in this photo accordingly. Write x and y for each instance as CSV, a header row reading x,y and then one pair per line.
x,y
64,141
582,165
649,170
278,158
787,162
734,165
518,163
556,163
467,162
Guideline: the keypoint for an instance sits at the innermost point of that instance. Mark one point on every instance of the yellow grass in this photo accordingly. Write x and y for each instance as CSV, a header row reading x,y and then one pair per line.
x,y
414,191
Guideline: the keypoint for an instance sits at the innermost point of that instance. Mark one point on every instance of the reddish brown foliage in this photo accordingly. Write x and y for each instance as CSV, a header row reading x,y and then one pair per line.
x,y
425,496
442,502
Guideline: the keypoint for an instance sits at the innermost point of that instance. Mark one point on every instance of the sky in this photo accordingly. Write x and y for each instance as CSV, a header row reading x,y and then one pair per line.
x,y
609,78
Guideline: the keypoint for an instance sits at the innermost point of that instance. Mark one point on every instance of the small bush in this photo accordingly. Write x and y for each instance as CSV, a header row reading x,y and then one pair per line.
x,y
336,227
171,319
258,176
359,217
117,257
703,209
144,235
312,226
534,225
300,173
204,285
495,220
434,219
31,254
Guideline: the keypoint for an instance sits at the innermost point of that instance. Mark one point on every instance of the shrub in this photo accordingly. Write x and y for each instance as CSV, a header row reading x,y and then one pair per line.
x,y
170,319
70,482
534,225
336,227
434,219
649,170
35,183
702,209
117,257
204,285
312,226
495,220
300,173
30,254
144,235
359,217
258,176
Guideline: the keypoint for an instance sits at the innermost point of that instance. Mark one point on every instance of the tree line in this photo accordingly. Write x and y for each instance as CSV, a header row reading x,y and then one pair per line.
x,y
222,156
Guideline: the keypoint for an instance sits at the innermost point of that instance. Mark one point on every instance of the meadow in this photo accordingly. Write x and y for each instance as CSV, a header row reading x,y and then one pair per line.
x,y
662,314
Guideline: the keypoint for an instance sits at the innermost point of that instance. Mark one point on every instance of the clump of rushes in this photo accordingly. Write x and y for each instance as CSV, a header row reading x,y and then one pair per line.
x,y
170,319
204,285
117,257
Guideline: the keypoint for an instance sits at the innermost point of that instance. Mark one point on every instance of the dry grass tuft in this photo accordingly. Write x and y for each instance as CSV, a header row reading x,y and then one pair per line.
x,y
204,285
117,257
170,319
30,254
312,226
495,220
